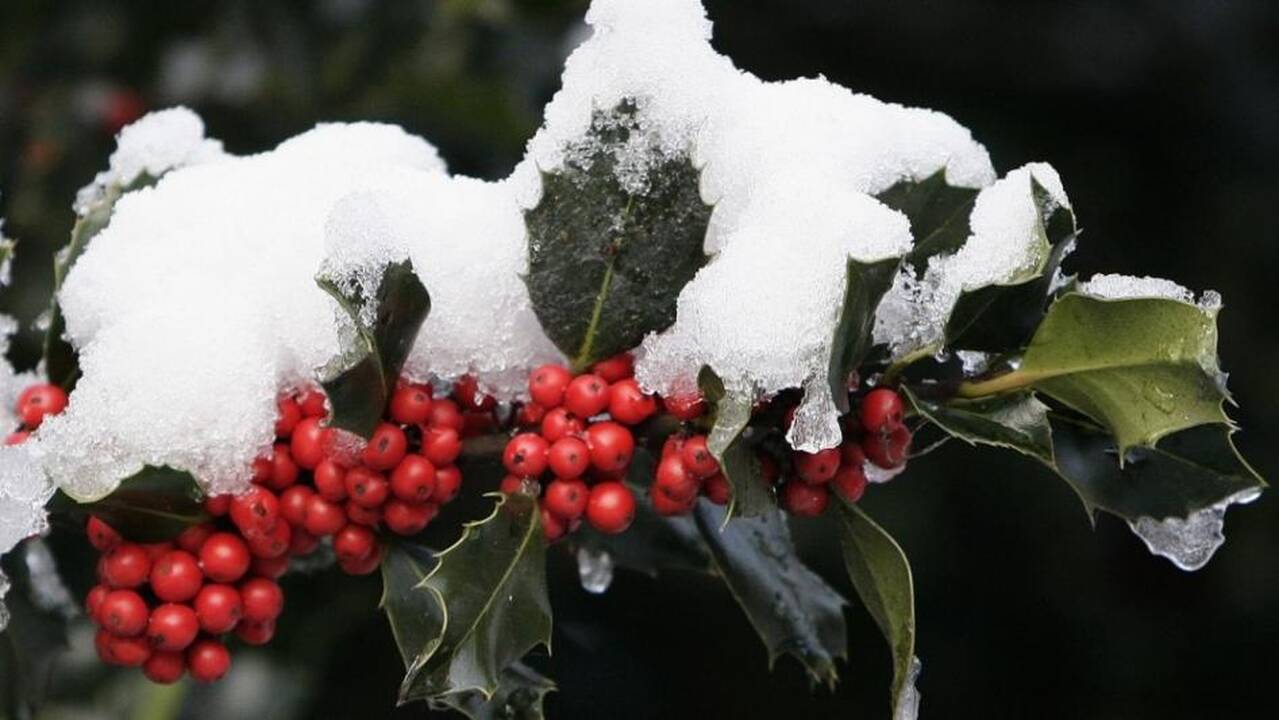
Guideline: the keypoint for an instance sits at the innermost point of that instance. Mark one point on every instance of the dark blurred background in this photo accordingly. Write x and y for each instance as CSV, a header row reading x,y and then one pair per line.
x,y
1162,117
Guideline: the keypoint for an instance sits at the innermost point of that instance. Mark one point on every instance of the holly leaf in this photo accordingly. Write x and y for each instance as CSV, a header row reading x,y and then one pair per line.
x,y
1003,317
609,255
153,505
62,365
1184,472
864,287
31,642
794,611
482,607
370,367
1017,420
730,413
881,576
519,696
938,214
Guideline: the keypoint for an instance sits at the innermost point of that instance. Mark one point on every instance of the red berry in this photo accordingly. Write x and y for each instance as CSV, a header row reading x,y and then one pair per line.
x,y
366,488
208,660
156,550
323,517
255,510
559,423
272,568
406,518
685,406
441,445
525,455
413,480
512,484
224,557
664,505
218,608
673,445
261,471
530,415
411,405
612,446
448,481
805,500
101,535
881,410
816,468
586,396
284,472
94,599
446,414
271,544
217,505
628,404
354,543
362,567
618,367
255,633
546,385
369,517
41,400
312,402
697,457
176,576
262,598
102,643
568,458
478,422
566,499
310,442
164,668
126,566
717,489
192,539
123,612
611,507
468,394
293,504
675,481
850,483
130,651
330,481
289,416
851,454
386,448
16,437
172,627
553,528
888,451
301,542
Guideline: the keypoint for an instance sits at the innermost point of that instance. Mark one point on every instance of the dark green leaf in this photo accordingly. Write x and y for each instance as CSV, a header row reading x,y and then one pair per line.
x,y
938,214
794,611
881,575
730,412
360,391
60,360
1186,471
519,696
480,609
155,504
606,260
30,644
1002,318
864,286
1016,420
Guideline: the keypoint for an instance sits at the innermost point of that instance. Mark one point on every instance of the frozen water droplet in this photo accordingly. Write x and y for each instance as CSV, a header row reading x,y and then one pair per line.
x,y
595,569
1159,397
1190,542
907,705
974,363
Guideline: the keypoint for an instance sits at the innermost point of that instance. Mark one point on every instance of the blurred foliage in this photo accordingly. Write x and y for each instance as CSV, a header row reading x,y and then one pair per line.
x,y
1160,117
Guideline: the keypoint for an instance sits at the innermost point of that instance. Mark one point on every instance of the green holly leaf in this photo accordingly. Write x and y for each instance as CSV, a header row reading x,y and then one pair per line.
x,y
61,363
864,287
481,608
1016,420
370,367
1142,367
938,214
31,642
1184,472
1000,318
519,696
153,505
730,413
607,258
794,611
881,575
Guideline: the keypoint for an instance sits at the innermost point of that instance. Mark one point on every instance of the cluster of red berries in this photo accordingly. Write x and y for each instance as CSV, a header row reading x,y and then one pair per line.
x,y
577,431
876,433
34,404
165,606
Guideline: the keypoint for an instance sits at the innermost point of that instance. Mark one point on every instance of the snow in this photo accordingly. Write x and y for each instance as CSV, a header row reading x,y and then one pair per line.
x,y
1190,542
24,490
1122,287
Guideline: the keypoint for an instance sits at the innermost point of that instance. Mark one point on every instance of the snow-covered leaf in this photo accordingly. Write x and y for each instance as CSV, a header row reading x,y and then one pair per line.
x,y
730,413
881,575
360,392
29,645
794,611
938,214
519,696
1016,420
482,607
155,504
607,260
864,286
